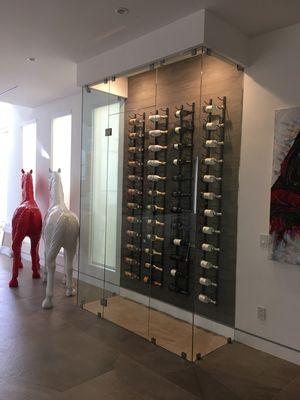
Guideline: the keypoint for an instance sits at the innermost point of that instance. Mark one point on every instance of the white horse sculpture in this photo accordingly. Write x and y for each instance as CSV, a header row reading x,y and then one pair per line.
x,y
60,229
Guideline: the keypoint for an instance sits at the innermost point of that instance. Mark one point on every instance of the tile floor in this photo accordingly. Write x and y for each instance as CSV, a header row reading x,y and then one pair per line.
x,y
68,353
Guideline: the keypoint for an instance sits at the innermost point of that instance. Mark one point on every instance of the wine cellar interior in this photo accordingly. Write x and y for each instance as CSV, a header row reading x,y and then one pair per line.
x,y
161,149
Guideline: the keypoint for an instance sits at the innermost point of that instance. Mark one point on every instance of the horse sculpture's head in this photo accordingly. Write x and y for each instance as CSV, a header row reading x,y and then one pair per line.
x,y
54,182
27,185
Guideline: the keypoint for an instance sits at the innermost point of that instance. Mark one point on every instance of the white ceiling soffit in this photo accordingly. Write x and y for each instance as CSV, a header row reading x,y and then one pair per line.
x,y
62,33
204,29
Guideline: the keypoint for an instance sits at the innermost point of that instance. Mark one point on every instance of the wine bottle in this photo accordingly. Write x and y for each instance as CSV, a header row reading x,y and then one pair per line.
x,y
177,178
206,282
176,289
211,213
213,143
134,220
134,206
211,178
133,233
134,192
179,146
135,149
155,222
155,163
134,178
210,195
157,117
132,261
154,207
181,194
183,129
135,121
156,178
153,266
182,113
152,252
155,238
147,279
155,193
208,265
130,275
209,230
135,135
211,108
211,161
205,299
180,242
178,210
157,133
132,247
134,163
178,161
209,247
175,273
156,147
212,126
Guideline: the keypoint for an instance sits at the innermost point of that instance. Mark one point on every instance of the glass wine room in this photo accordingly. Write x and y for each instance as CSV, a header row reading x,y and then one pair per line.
x,y
159,184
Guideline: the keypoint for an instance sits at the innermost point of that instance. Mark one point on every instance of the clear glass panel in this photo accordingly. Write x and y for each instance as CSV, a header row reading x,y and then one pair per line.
x,y
215,271
93,200
126,296
171,304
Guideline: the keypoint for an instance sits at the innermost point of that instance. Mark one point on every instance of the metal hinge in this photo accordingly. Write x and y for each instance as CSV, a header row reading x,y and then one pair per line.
x,y
108,131
103,302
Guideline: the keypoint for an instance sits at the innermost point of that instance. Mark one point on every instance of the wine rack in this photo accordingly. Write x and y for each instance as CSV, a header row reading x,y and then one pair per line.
x,y
159,198
211,193
182,196
157,176
134,240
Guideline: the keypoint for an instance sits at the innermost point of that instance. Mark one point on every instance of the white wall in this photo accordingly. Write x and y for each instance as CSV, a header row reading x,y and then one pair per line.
x,y
272,82
18,116
43,116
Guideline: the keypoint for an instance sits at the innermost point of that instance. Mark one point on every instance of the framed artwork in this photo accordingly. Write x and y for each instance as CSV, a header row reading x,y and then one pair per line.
x,y
285,190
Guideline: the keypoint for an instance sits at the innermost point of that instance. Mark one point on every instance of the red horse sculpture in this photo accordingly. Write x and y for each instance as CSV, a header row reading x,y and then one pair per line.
x,y
27,221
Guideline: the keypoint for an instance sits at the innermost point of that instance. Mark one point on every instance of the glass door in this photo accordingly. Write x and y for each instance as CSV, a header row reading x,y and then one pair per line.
x,y
177,106
126,288
93,230
160,155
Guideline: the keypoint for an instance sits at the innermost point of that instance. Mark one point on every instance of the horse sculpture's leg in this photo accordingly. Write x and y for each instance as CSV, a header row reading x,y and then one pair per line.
x,y
45,272
35,259
16,248
51,255
64,278
70,253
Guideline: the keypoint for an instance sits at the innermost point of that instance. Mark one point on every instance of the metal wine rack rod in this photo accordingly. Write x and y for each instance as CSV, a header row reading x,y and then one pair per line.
x,y
214,127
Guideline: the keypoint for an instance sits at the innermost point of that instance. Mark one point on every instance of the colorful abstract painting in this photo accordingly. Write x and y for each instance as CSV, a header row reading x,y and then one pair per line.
x,y
285,191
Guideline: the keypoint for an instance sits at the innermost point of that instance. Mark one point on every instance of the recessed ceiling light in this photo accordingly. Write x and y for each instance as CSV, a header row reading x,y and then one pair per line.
x,y
122,10
32,59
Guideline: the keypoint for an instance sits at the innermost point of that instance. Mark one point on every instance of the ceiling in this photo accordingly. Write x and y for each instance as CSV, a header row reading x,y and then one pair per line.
x,y
59,33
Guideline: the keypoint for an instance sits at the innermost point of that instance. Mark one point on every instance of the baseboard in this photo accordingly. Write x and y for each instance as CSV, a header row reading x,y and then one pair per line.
x,y
267,346
59,260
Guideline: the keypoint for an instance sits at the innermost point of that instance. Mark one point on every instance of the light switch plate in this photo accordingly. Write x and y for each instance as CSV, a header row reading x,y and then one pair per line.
x,y
264,240
261,313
